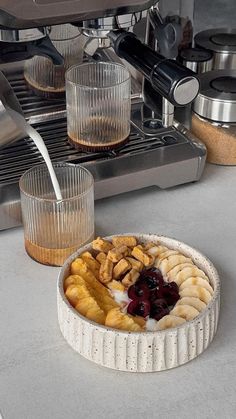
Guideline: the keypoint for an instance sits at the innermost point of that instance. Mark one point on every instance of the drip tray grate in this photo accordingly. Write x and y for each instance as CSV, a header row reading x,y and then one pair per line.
x,y
35,107
20,156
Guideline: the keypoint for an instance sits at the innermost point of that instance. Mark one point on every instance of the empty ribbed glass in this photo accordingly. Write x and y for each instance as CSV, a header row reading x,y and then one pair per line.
x,y
55,229
98,105
40,73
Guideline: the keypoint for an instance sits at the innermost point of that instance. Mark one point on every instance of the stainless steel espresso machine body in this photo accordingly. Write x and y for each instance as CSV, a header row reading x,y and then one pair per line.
x,y
160,150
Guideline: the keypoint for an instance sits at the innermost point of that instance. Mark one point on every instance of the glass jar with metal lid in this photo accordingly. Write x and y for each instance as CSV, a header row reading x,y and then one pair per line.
x,y
214,115
222,43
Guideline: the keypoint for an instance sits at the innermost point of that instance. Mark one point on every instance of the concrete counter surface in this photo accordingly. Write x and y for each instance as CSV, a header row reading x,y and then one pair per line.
x,y
41,377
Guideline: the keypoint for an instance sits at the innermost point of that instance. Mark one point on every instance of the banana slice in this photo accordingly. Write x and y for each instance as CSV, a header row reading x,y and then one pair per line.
x,y
185,311
168,253
169,321
188,272
195,280
196,291
156,250
165,255
171,275
169,263
192,301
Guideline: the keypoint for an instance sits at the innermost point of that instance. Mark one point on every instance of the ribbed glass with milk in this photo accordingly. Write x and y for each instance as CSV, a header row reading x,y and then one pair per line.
x,y
55,229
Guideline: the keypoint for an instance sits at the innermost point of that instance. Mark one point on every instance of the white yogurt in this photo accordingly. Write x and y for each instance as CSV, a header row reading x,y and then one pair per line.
x,y
151,325
120,297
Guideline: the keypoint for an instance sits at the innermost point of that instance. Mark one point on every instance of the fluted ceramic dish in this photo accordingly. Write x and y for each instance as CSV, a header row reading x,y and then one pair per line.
x,y
141,351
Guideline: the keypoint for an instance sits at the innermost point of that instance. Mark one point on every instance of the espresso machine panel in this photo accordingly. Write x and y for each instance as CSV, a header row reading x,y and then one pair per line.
x,y
160,152
33,13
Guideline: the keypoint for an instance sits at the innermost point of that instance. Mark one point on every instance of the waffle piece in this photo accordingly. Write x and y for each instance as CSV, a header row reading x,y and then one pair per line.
x,y
129,241
101,256
75,292
80,267
73,280
116,286
89,308
121,268
105,272
118,253
102,245
135,264
130,278
118,320
144,257
92,263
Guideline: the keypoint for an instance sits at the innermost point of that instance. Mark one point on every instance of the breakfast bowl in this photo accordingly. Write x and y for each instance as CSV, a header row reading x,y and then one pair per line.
x,y
153,350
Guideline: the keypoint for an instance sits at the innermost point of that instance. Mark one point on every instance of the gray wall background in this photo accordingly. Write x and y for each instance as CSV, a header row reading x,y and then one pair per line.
x,y
207,13
215,14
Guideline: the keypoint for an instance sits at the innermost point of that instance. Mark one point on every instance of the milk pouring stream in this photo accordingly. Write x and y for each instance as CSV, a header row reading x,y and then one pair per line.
x,y
36,137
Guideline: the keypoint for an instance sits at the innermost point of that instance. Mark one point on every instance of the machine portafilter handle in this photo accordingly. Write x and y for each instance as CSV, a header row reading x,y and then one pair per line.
x,y
170,79
17,51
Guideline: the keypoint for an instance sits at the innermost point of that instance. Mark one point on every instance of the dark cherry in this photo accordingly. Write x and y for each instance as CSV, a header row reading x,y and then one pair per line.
x,y
153,295
152,273
169,291
139,308
160,302
152,277
159,309
139,290
173,286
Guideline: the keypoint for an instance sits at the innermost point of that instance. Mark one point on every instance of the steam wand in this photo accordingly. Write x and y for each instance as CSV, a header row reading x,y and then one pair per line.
x,y
170,79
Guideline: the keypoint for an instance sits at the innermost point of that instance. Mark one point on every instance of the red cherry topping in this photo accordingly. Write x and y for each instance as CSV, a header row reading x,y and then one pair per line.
x,y
139,308
138,290
152,277
151,295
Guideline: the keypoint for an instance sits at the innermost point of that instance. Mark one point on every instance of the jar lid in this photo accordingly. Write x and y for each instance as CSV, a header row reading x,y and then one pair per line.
x,y
217,96
217,40
195,55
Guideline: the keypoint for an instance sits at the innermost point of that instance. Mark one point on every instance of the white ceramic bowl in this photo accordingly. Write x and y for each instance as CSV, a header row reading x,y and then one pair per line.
x,y
141,351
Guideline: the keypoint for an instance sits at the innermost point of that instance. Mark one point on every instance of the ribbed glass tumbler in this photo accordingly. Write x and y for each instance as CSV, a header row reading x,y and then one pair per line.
x,y
98,105
55,229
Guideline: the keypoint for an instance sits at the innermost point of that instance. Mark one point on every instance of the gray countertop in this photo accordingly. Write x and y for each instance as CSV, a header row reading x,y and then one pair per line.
x,y
41,377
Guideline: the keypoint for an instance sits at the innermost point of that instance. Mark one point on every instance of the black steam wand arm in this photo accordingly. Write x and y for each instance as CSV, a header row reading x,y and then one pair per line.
x,y
170,79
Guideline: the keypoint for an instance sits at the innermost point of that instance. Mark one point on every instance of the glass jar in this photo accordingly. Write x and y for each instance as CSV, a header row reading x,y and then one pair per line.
x,y
214,116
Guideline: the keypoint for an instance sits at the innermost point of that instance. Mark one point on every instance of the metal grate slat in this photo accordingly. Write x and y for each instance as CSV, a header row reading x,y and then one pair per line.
x,y
20,156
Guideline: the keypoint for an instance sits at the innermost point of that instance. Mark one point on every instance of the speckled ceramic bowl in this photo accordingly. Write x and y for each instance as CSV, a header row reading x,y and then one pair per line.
x,y
141,351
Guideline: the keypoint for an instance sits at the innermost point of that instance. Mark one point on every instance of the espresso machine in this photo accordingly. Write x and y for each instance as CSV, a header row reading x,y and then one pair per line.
x,y
161,150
